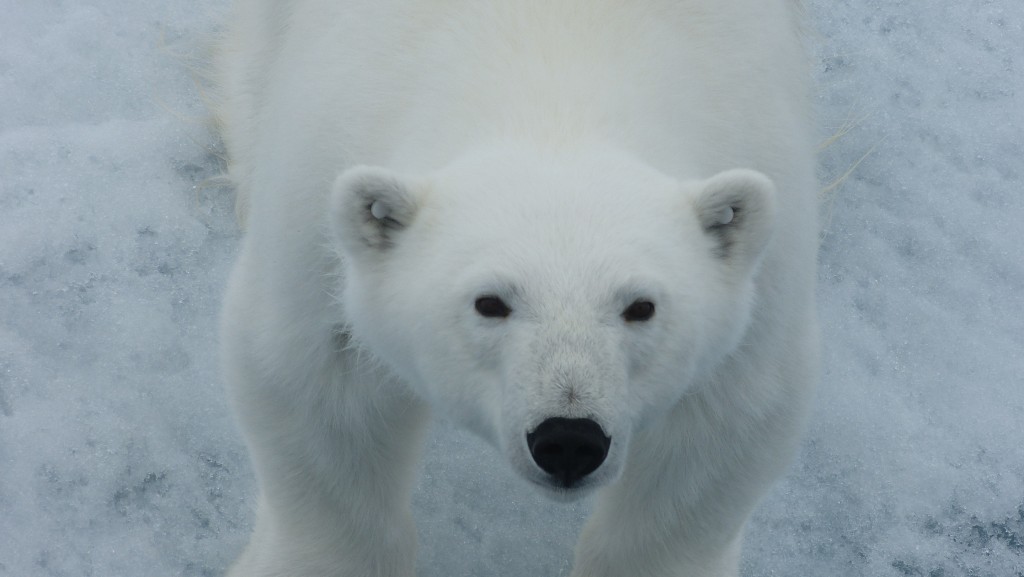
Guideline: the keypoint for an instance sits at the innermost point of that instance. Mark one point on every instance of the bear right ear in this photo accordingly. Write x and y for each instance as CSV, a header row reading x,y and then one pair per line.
x,y
370,207
736,208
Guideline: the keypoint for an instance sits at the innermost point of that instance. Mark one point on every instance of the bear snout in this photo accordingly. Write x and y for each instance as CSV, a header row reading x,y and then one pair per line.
x,y
568,449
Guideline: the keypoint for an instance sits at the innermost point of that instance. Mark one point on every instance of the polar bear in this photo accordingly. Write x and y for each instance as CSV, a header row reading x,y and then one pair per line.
x,y
585,230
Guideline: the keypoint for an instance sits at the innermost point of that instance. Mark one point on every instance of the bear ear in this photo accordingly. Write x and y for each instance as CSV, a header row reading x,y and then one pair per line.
x,y
370,207
736,208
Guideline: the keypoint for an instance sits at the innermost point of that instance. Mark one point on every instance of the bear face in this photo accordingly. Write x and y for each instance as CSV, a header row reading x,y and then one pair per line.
x,y
511,288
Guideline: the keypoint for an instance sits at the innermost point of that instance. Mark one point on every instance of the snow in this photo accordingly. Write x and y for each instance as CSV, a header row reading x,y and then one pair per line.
x,y
118,454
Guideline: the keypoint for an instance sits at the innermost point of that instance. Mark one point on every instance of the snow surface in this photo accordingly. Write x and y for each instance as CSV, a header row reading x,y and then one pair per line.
x,y
118,455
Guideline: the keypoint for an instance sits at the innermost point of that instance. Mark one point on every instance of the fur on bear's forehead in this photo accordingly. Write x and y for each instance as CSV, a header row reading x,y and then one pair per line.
x,y
569,184
529,215
589,208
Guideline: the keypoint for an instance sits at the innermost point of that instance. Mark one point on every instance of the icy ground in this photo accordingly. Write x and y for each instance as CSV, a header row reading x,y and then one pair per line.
x,y
117,453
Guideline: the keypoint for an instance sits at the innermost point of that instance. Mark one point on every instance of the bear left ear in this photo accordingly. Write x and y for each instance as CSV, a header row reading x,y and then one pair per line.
x,y
369,209
736,208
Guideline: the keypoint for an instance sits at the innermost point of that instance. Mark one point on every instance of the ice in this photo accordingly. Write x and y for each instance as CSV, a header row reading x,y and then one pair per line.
x,y
118,454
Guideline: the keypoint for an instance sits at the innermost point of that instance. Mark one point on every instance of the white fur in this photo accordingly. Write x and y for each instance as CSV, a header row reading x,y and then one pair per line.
x,y
398,159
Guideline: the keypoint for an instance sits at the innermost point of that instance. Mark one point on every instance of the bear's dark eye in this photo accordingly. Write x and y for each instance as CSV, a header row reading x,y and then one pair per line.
x,y
639,311
492,307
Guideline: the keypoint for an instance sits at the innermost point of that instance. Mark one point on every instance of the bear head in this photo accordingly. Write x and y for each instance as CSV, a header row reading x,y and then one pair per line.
x,y
552,303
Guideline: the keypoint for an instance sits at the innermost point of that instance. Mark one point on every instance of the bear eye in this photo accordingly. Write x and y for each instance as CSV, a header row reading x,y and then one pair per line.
x,y
492,307
639,311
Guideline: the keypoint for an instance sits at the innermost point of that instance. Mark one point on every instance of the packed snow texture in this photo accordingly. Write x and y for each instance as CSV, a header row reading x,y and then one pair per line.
x,y
118,453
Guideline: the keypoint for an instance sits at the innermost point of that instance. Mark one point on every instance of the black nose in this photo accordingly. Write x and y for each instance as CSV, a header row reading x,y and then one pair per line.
x,y
568,449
